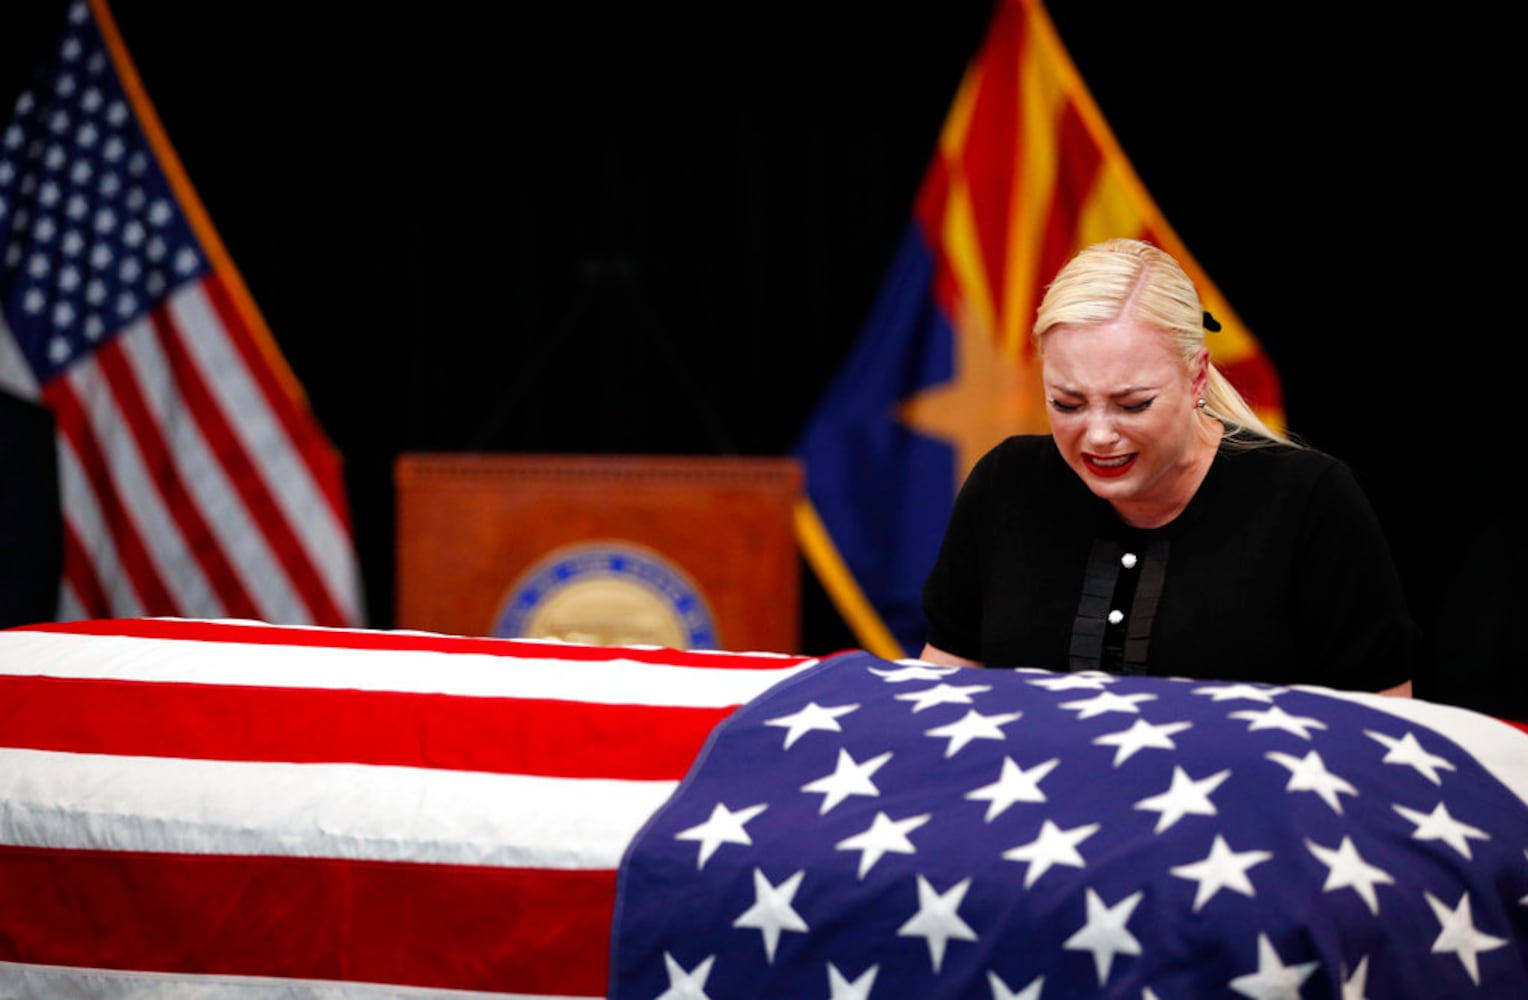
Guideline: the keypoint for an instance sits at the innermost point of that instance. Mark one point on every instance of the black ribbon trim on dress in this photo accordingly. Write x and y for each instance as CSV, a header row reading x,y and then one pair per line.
x,y
1092,621
1104,588
1143,610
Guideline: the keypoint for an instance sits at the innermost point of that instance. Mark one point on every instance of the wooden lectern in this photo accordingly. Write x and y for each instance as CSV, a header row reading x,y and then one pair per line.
x,y
685,552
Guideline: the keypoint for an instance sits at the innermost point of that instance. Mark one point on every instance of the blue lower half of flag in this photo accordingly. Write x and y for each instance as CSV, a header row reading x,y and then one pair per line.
x,y
883,492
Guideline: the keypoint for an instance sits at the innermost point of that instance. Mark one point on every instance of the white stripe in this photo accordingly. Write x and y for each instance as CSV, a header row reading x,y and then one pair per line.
x,y
83,514
20,981
223,509
307,512
178,572
346,811
15,374
70,607
620,681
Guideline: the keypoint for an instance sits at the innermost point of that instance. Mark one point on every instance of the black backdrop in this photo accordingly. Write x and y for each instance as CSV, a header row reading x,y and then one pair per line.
x,y
621,228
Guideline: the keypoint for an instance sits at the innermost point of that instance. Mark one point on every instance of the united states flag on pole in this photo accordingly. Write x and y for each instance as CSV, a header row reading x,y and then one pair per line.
x,y
194,479
877,829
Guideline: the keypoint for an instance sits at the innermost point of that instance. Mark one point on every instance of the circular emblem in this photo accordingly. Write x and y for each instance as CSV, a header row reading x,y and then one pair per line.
x,y
607,594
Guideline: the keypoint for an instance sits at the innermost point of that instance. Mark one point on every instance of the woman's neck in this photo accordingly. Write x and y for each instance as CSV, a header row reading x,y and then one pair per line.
x,y
1162,510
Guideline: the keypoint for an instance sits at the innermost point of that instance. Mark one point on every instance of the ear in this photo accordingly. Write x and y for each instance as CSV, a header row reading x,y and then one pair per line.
x,y
1201,372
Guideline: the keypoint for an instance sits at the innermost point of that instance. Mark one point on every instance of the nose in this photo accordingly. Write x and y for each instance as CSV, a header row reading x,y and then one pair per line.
x,y
1100,433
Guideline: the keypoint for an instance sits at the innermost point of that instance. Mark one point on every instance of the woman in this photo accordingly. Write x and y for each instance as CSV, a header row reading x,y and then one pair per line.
x,y
1161,528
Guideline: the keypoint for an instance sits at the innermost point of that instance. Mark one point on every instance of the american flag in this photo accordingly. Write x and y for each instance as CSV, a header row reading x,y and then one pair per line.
x,y
194,479
243,811
872,828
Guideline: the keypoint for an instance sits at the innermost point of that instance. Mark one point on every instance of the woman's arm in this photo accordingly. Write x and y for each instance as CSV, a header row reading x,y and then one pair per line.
x,y
933,654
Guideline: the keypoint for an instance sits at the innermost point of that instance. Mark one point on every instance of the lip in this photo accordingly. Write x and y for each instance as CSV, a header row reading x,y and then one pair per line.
x,y
1108,471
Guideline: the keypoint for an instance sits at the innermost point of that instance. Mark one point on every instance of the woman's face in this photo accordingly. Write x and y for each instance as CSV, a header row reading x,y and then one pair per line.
x,y
1122,412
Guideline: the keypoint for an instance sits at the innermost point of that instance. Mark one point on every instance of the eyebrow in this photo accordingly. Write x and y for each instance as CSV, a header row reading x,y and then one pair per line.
x,y
1120,394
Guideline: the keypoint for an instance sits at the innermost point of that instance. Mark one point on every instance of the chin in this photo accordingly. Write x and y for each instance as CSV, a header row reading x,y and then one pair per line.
x,y
1110,489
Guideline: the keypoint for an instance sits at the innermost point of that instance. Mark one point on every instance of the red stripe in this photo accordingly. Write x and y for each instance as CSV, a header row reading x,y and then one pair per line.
x,y
546,737
302,430
195,534
80,573
245,477
425,925
203,631
133,555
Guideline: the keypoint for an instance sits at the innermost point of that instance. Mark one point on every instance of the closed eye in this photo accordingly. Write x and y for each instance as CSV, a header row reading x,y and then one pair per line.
x,y
1141,407
1061,407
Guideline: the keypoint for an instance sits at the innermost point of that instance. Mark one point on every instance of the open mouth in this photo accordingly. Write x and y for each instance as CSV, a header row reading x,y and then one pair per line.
x,y
1109,466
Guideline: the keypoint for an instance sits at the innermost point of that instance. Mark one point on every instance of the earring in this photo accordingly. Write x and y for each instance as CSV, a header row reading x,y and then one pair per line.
x,y
1201,403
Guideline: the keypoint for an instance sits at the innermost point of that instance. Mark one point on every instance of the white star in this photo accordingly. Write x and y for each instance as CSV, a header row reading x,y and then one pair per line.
x,y
1274,717
1105,934
771,911
1107,701
811,718
1054,846
943,694
884,834
58,350
1239,692
1139,736
1273,980
1000,990
1407,750
1085,680
849,777
1349,871
686,985
937,920
1309,774
972,726
724,827
1458,934
914,671
1439,825
1184,796
1223,869
841,988
1014,784
1353,986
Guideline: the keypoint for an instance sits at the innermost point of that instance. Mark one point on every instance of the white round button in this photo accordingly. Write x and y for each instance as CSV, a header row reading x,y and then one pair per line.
x,y
1116,616
1127,560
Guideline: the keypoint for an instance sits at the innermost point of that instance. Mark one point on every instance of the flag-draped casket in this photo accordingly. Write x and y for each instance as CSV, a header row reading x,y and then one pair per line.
x,y
227,808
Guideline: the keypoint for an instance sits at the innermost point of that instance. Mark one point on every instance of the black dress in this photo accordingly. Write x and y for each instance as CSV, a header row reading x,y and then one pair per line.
x,y
1277,571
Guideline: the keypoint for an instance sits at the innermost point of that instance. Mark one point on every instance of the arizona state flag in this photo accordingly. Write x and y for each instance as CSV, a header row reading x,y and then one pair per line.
x,y
1026,173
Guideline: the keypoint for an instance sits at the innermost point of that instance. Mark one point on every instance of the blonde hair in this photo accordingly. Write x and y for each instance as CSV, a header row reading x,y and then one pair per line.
x,y
1123,277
